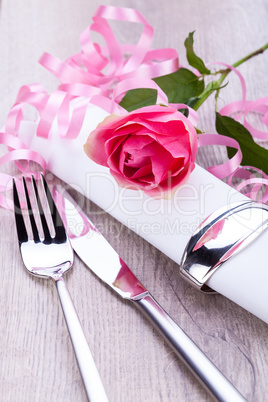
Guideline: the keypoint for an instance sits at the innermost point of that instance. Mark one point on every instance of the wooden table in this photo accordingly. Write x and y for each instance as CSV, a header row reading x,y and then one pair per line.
x,y
37,361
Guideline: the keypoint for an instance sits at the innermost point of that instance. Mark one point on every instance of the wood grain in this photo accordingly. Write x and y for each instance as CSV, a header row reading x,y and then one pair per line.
x,y
37,362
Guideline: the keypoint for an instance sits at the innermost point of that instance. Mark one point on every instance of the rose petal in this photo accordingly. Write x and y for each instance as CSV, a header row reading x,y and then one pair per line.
x,y
173,136
170,185
161,160
169,128
95,146
124,182
176,166
143,171
152,148
128,128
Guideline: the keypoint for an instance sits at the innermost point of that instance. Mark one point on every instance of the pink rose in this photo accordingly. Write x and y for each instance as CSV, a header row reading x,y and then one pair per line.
x,y
152,148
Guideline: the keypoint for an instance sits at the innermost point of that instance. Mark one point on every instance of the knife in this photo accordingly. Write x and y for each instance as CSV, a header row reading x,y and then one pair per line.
x,y
95,251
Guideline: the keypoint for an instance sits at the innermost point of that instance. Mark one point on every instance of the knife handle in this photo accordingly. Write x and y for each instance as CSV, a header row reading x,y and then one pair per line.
x,y
214,381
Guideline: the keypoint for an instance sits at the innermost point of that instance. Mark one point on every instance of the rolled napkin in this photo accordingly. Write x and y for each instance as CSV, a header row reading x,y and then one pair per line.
x,y
166,223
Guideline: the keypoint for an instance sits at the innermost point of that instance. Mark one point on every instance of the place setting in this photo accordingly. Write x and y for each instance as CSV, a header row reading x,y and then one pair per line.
x,y
120,138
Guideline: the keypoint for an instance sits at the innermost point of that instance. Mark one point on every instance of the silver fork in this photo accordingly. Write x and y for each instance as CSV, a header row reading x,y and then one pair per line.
x,y
50,255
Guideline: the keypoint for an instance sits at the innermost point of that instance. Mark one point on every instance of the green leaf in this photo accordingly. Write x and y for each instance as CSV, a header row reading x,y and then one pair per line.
x,y
137,98
253,154
182,86
192,58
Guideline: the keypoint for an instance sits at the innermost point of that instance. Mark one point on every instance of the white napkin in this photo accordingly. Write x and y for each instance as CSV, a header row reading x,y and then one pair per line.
x,y
167,224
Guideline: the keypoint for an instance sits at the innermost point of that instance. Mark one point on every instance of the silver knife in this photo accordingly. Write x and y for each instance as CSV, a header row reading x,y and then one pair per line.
x,y
103,260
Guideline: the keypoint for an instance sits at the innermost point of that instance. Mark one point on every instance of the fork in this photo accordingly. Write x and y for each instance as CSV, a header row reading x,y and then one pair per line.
x,y
50,255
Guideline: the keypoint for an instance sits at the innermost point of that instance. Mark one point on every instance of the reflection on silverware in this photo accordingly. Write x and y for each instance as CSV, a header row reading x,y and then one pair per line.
x,y
47,252
222,235
104,261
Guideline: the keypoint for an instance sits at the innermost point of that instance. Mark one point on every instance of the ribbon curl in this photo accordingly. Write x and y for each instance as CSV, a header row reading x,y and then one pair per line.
x,y
122,61
101,75
82,82
253,179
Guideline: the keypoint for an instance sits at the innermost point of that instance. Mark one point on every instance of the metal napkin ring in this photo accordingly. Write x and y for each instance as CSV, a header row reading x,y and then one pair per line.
x,y
223,234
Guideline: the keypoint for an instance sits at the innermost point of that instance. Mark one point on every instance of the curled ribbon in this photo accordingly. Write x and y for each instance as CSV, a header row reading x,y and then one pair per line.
x,y
253,179
82,82
101,75
120,61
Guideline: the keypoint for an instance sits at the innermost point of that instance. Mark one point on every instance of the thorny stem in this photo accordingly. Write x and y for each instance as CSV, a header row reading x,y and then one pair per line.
x,y
224,73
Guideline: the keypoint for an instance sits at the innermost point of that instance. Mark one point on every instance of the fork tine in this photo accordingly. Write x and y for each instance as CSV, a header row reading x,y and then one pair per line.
x,y
42,215
30,212
56,218
21,228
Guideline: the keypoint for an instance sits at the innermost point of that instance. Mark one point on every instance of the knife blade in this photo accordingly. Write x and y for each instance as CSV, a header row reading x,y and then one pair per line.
x,y
95,251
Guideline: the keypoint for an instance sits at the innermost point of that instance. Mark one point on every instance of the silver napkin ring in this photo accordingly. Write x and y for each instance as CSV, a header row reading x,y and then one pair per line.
x,y
223,234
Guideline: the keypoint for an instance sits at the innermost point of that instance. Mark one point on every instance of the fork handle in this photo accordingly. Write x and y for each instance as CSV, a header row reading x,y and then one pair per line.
x,y
214,381
89,372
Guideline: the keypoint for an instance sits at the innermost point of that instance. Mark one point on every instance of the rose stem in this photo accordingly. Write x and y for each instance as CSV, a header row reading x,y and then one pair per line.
x,y
224,74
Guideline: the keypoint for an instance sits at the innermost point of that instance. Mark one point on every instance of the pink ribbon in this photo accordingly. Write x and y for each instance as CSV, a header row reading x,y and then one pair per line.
x,y
251,184
242,109
223,170
17,151
84,82
85,227
120,61
101,75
